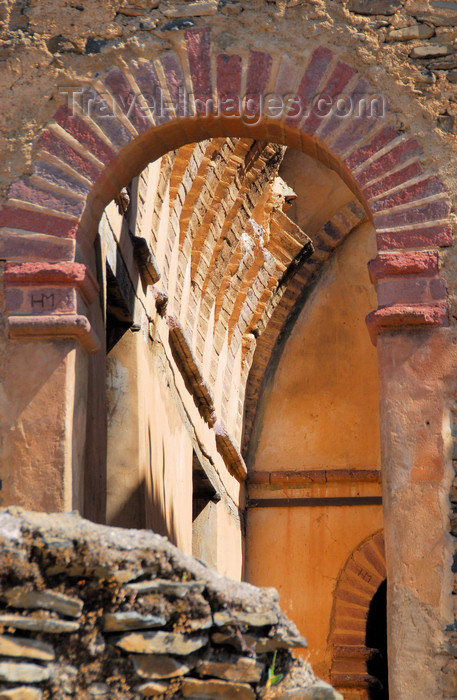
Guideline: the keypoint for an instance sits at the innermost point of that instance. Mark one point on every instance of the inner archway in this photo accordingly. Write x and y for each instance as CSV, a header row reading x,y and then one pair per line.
x,y
357,619
82,160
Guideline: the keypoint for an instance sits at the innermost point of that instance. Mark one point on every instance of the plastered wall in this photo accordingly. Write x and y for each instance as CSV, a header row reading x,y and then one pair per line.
x,y
319,412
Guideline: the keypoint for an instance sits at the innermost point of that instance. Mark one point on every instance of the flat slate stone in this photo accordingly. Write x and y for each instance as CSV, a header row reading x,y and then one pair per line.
x,y
131,620
159,666
193,688
318,691
374,7
149,690
431,50
416,31
26,648
161,643
445,63
12,672
438,19
36,624
232,668
241,617
100,572
261,645
199,624
198,8
257,644
98,690
174,588
48,600
21,693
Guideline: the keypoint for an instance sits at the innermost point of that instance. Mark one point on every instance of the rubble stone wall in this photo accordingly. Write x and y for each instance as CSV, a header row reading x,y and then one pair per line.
x,y
90,611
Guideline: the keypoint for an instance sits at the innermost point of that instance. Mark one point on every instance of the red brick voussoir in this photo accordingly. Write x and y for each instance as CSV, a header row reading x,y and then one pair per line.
x,y
78,149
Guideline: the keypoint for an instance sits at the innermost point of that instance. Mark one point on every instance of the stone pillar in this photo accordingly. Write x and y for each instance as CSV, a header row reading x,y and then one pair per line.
x,y
45,338
414,373
39,418
416,358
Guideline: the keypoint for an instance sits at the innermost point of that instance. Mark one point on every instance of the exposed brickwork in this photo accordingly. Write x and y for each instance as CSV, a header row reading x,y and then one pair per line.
x,y
191,371
359,580
398,199
232,457
124,95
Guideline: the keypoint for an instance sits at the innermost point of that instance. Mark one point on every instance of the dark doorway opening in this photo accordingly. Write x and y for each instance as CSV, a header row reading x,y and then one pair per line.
x,y
376,639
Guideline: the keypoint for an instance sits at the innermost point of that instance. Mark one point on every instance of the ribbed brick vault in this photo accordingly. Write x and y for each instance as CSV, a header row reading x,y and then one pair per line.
x,y
84,157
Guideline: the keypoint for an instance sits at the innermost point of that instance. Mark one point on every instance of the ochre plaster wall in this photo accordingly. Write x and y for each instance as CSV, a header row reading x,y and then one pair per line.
x,y
320,409
301,551
319,412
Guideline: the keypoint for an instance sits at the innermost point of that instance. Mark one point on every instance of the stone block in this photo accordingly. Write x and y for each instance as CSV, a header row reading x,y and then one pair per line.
x,y
232,668
159,666
195,8
244,617
12,672
25,191
21,693
149,690
175,589
193,688
431,51
38,624
161,643
415,31
439,19
318,691
20,597
131,620
58,148
374,7
26,648
82,133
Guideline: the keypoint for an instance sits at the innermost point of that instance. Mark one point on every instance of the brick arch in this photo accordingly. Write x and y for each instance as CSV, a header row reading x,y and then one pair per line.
x,y
359,579
84,157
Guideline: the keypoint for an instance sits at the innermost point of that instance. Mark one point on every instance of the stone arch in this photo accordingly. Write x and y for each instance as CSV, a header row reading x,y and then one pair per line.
x,y
359,579
83,159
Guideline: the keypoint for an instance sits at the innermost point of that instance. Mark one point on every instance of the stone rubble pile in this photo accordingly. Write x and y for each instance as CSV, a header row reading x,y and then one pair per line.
x,y
90,611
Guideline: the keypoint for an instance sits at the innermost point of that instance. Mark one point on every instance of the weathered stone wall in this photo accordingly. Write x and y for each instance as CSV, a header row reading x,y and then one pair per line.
x,y
423,37
95,612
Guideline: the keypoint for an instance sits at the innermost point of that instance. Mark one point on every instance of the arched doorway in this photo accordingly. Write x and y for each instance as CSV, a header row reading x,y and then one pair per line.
x,y
358,620
50,220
